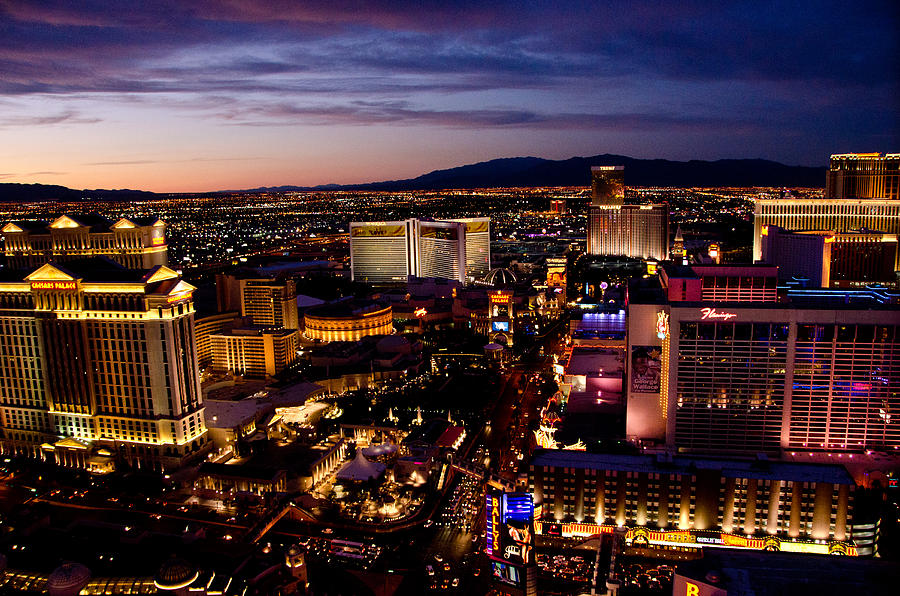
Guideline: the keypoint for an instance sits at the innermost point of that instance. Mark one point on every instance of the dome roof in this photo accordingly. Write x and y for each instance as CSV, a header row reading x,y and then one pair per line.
x,y
174,574
493,347
499,277
68,578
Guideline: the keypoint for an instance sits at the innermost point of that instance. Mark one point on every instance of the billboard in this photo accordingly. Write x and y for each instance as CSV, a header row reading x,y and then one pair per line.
x,y
517,542
509,532
507,574
500,326
645,369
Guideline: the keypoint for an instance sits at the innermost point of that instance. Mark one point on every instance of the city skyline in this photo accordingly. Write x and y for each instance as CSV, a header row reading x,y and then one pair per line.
x,y
203,96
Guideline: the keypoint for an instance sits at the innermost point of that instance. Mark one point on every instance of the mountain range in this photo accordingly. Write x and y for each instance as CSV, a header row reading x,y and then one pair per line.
x,y
576,171
510,172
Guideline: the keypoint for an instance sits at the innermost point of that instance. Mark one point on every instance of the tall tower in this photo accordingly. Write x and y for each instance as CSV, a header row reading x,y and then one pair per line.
x,y
613,228
100,361
678,251
270,303
863,176
607,185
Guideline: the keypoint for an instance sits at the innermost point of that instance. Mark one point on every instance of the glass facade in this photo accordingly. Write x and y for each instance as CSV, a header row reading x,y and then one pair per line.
x,y
845,392
730,386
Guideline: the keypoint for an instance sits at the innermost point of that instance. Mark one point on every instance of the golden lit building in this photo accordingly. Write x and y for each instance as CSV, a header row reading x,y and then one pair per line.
x,y
270,303
478,246
254,351
607,185
836,215
863,176
99,362
689,502
348,320
616,229
208,326
389,252
557,268
135,243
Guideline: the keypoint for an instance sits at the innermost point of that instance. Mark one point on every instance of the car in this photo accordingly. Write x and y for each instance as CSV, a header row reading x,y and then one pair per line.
x,y
446,566
455,582
477,571
429,523
429,569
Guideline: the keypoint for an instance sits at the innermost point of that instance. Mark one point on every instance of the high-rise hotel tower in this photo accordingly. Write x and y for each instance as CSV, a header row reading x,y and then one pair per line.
x,y
97,364
640,231
863,176
388,252
861,194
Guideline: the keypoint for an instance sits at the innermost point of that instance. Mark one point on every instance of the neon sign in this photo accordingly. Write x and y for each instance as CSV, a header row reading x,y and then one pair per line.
x,y
711,313
53,285
420,312
179,296
662,325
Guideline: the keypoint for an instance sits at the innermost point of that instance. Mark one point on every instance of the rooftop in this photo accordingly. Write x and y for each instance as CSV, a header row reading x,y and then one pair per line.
x,y
685,464
590,360
239,471
229,414
779,574
348,307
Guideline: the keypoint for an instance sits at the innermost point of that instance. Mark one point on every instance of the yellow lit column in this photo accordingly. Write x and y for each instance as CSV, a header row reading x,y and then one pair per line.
x,y
750,510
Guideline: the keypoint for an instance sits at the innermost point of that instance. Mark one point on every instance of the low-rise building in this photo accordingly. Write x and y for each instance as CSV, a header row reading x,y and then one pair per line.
x,y
690,502
254,351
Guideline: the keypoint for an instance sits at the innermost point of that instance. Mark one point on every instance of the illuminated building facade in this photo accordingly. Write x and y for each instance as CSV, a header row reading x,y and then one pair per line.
x,y
719,283
478,246
254,351
863,176
638,231
607,186
616,229
557,269
678,251
206,327
440,249
837,215
99,362
382,252
694,502
830,259
501,317
389,252
269,303
135,243
818,373
348,320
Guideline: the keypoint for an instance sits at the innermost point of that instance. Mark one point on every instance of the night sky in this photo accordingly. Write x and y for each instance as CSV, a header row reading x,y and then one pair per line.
x,y
195,95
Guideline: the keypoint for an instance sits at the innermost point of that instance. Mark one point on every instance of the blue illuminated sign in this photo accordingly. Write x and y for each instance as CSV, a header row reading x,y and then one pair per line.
x,y
518,507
